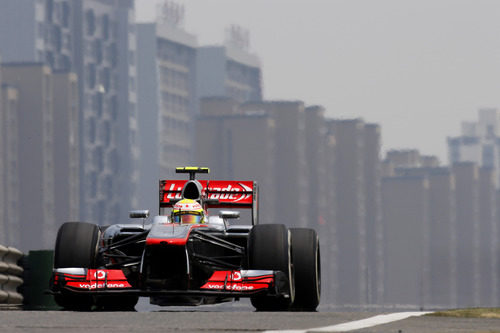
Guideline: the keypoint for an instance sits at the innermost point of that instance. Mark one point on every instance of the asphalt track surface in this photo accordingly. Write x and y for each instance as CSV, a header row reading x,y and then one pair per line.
x,y
224,318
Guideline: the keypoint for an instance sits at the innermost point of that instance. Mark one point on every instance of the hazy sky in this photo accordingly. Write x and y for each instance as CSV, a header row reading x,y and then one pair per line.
x,y
418,68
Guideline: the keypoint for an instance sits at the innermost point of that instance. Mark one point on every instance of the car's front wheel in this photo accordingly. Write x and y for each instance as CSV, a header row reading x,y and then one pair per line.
x,y
269,249
76,246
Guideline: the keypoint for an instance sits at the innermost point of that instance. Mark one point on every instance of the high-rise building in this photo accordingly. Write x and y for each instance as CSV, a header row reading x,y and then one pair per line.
x,y
440,265
467,204
315,128
350,222
96,40
405,219
327,230
479,141
496,244
38,31
239,144
35,153
488,250
228,71
66,147
167,103
374,233
406,158
290,168
104,59
9,215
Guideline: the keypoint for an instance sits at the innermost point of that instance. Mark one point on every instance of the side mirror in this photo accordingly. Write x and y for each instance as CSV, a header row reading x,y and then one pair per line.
x,y
139,214
229,214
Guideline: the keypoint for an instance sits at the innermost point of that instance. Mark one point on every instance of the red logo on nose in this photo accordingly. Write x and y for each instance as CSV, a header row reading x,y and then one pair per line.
x,y
99,275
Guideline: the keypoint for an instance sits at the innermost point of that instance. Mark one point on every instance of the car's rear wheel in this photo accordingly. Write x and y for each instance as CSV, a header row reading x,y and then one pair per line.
x,y
307,268
76,246
269,249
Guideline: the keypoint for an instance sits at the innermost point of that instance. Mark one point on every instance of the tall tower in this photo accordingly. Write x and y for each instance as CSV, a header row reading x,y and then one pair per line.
x,y
229,70
167,99
96,40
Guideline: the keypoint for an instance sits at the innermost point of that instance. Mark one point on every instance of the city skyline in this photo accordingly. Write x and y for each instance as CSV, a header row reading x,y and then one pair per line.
x,y
406,65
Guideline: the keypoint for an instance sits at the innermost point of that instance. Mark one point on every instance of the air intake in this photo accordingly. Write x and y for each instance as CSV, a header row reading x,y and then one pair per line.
x,y
192,190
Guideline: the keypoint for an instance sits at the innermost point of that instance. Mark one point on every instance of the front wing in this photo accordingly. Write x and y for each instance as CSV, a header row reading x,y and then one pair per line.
x,y
236,283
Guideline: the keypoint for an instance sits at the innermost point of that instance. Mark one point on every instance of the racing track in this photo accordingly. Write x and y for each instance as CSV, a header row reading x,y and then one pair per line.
x,y
224,318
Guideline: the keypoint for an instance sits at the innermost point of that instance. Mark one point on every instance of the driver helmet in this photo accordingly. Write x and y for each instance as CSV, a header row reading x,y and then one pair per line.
x,y
187,211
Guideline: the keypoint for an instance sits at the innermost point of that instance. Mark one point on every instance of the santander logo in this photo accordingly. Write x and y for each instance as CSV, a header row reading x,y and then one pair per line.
x,y
230,192
174,196
223,190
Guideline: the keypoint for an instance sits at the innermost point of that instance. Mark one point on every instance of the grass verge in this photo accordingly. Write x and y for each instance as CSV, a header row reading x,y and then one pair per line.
x,y
469,313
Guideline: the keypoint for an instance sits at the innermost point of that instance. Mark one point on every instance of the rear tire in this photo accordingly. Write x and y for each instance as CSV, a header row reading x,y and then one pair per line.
x,y
307,267
269,249
76,246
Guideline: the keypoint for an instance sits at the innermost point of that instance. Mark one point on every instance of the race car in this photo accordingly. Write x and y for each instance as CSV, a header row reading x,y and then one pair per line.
x,y
185,256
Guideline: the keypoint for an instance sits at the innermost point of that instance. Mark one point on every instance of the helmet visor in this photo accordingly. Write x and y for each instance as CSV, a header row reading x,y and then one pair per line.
x,y
190,217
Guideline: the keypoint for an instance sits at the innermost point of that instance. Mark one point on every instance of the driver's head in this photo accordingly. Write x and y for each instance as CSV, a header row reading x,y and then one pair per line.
x,y
188,211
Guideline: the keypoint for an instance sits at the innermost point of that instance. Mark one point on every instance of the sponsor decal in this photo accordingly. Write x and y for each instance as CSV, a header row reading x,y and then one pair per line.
x,y
236,276
105,274
230,192
173,189
232,287
238,281
227,191
101,285
96,279
100,275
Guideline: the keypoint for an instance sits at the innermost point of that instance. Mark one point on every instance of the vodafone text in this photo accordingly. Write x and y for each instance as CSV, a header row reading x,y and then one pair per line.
x,y
101,285
238,287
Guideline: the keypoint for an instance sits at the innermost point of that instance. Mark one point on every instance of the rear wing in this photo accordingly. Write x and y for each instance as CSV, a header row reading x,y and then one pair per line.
x,y
214,194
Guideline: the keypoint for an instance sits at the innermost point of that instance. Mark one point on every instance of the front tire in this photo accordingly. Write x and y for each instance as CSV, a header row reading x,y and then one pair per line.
x,y
76,246
307,267
269,249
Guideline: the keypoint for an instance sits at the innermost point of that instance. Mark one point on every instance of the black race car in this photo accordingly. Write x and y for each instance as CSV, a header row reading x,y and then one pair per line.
x,y
175,263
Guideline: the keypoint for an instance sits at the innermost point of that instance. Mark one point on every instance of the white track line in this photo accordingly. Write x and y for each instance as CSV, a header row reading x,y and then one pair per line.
x,y
358,324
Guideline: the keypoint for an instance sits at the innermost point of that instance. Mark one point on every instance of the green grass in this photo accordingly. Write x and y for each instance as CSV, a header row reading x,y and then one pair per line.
x,y
469,313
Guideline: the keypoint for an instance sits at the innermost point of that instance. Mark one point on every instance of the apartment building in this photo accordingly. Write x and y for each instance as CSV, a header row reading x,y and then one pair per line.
x,y
405,221
350,224
440,251
372,175
166,77
96,40
228,71
35,153
66,146
467,201
238,143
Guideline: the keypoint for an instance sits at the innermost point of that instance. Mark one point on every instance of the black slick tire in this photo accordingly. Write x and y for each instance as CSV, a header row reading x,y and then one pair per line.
x,y
269,249
307,268
76,246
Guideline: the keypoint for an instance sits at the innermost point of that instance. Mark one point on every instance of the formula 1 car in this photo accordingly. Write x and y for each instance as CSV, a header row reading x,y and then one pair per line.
x,y
176,263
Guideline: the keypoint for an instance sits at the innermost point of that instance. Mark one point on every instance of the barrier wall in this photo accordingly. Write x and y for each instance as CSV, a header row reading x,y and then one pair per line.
x,y
11,276
37,273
